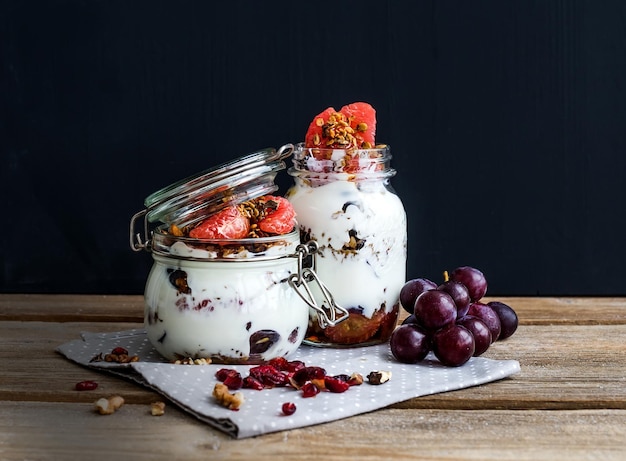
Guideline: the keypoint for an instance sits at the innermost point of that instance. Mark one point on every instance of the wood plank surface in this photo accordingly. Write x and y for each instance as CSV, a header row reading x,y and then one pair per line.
x,y
556,372
568,401
129,308
132,433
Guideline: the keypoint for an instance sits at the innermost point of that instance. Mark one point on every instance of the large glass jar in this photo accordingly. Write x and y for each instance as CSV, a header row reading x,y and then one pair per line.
x,y
344,202
231,302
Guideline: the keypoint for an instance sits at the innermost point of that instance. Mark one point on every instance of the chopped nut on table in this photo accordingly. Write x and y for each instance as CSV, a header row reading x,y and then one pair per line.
x,y
157,408
378,377
108,406
223,396
191,361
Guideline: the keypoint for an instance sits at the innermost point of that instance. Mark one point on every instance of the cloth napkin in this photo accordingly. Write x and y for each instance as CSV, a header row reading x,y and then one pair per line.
x,y
191,386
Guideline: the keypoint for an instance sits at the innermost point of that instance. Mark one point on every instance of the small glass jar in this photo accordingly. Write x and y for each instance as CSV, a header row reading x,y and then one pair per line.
x,y
344,202
230,302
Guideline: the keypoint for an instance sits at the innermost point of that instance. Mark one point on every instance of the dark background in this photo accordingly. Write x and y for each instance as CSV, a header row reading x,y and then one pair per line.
x,y
506,120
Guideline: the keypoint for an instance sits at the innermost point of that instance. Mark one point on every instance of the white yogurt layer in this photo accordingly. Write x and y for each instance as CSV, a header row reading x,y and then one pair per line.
x,y
233,311
373,273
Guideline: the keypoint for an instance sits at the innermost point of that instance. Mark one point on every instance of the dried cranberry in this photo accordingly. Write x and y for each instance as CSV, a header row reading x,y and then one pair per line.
x,y
301,376
289,408
234,381
269,376
280,363
86,386
252,383
295,365
119,351
336,385
310,390
293,336
224,373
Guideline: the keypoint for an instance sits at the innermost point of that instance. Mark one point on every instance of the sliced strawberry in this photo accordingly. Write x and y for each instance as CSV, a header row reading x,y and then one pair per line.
x,y
226,224
280,215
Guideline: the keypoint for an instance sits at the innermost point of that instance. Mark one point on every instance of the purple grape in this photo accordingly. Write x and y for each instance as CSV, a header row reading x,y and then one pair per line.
x,y
473,279
410,319
412,289
489,316
409,343
435,309
460,295
480,332
508,318
453,345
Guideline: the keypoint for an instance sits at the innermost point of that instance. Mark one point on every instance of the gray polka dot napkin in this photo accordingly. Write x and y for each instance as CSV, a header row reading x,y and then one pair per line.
x,y
191,386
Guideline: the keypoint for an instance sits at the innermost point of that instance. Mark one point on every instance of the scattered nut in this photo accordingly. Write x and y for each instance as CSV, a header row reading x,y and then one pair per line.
x,y
224,397
121,358
190,361
356,379
108,406
378,377
157,408
118,355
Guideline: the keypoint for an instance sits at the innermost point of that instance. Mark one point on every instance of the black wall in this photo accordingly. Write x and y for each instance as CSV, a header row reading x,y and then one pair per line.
x,y
507,121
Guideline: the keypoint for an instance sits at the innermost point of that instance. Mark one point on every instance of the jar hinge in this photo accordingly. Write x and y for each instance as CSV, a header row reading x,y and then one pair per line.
x,y
329,313
136,241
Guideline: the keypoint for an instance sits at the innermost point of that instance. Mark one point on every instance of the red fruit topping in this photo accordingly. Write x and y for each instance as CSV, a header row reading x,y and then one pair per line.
x,y
310,390
280,363
305,374
234,381
362,117
226,224
354,126
224,373
294,366
279,215
86,386
119,351
289,408
252,383
335,384
269,376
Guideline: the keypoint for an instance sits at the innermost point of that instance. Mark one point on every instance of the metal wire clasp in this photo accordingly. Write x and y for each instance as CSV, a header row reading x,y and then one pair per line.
x,y
329,313
136,242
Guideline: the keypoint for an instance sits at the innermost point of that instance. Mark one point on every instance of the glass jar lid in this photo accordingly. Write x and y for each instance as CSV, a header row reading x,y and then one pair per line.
x,y
192,199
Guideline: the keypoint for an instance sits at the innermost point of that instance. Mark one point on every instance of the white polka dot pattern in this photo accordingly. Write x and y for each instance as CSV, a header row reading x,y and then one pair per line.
x,y
191,386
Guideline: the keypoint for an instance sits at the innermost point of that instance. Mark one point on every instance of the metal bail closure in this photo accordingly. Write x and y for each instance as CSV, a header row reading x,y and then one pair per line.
x,y
136,242
329,313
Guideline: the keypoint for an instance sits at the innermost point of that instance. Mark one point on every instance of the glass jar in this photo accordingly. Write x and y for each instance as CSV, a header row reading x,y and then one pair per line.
x,y
345,203
242,301
231,302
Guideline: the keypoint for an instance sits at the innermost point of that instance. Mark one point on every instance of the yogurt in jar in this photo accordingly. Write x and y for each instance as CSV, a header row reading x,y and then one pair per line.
x,y
231,303
359,224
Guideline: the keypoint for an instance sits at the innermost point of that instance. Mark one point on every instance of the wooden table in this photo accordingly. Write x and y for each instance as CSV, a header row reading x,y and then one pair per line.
x,y
568,402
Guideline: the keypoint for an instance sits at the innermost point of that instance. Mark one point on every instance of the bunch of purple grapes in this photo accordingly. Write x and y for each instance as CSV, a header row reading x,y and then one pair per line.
x,y
449,319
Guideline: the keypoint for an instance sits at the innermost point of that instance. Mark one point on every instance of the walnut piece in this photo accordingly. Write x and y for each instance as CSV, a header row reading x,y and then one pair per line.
x,y
378,377
157,408
224,397
192,361
108,406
